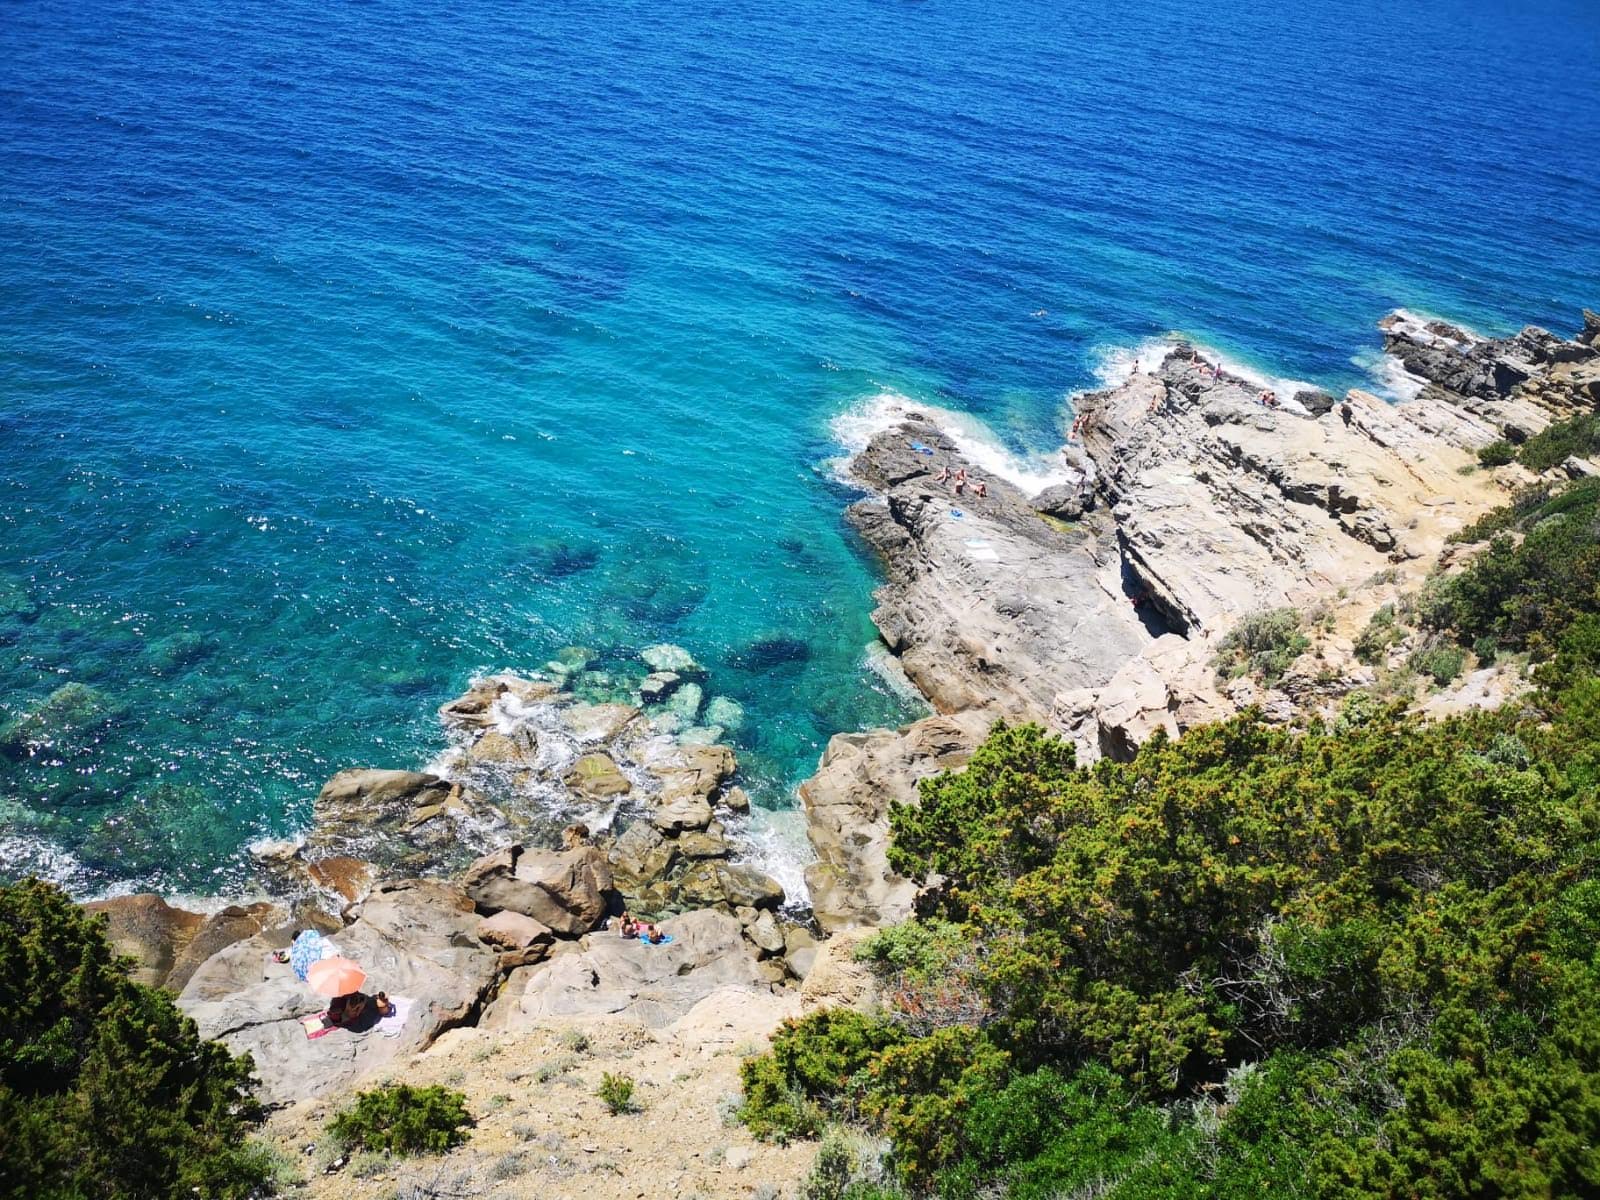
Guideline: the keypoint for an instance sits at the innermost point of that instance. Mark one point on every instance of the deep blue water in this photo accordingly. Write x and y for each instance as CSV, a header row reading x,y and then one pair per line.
x,y
348,349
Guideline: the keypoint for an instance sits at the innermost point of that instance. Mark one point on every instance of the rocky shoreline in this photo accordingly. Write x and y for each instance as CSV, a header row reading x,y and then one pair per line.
x,y
1097,607
482,888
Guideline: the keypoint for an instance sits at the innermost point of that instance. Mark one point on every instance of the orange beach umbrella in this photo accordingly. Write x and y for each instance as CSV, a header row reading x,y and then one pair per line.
x,y
335,977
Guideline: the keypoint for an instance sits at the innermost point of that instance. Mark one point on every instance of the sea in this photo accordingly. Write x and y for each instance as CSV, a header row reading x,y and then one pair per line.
x,y
348,351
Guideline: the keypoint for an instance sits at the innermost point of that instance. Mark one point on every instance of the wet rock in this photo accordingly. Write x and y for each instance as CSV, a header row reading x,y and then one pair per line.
x,y
598,722
520,748
685,702
735,799
682,812
598,776
404,819
693,770
701,735
658,685
725,712
667,657
1065,501
570,890
473,708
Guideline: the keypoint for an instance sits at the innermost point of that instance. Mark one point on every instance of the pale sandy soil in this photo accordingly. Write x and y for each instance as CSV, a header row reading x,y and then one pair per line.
x,y
543,1132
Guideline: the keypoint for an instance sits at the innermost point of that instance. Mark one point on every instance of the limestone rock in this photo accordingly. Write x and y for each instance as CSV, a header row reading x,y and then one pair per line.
x,y
654,984
221,929
836,979
681,813
667,657
766,935
570,890
415,939
149,930
598,722
735,799
703,845
709,883
847,813
597,775
403,819
346,877
472,709
641,857
517,749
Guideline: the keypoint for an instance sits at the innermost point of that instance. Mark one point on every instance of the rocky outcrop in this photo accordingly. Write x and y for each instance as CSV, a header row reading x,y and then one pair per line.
x,y
402,820
569,891
608,974
847,813
1195,498
150,931
416,939
988,603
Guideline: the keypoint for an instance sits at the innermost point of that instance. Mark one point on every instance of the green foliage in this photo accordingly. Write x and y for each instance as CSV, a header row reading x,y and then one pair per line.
x,y
831,1171
106,1089
1439,660
1576,436
1381,632
1539,576
402,1120
617,1093
1262,645
1497,453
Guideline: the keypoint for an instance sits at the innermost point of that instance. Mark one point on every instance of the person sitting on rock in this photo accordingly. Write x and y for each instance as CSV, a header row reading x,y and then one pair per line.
x,y
944,474
960,481
627,925
654,935
980,488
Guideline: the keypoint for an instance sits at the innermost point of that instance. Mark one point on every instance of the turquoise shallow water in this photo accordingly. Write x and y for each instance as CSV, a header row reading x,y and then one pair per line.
x,y
349,352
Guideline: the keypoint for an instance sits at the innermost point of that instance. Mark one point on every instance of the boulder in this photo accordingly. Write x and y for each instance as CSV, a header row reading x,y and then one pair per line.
x,y
598,722
1315,401
148,930
345,877
847,813
685,702
519,748
724,712
710,883
658,685
653,984
766,935
401,818
667,657
221,929
736,799
416,939
473,709
682,812
693,770
1065,501
508,930
640,857
703,845
569,890
598,776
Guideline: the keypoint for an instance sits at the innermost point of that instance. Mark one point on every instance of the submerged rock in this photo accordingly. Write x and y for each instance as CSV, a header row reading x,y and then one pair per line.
x,y
666,657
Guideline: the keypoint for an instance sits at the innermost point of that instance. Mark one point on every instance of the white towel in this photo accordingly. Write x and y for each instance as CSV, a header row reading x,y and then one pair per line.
x,y
390,1026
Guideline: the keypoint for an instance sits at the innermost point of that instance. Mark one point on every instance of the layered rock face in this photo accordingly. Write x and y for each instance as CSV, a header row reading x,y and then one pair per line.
x,y
1194,499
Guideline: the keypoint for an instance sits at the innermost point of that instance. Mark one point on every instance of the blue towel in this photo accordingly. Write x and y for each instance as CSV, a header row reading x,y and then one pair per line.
x,y
665,939
957,513
920,448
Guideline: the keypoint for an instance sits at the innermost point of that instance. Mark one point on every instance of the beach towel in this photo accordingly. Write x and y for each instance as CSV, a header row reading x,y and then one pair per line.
x,y
666,940
920,448
309,947
317,1026
957,514
390,1026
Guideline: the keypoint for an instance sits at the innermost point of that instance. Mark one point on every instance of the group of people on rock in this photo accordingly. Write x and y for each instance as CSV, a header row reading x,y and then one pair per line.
x,y
631,928
959,481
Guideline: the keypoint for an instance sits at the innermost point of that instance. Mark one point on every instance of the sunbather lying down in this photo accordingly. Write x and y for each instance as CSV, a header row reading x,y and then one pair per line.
x,y
359,1009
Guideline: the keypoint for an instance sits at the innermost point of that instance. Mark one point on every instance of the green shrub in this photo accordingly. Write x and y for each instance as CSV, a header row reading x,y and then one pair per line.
x,y
1576,436
617,1092
823,1056
1438,660
775,1109
402,1120
106,1089
1497,453
1262,645
1381,632
832,1170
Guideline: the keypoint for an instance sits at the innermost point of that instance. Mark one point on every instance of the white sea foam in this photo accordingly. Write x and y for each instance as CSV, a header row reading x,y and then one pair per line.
x,y
857,426
774,841
1115,365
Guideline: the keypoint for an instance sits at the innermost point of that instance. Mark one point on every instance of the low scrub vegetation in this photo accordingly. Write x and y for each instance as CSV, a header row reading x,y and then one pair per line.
x,y
1345,960
403,1120
1262,646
